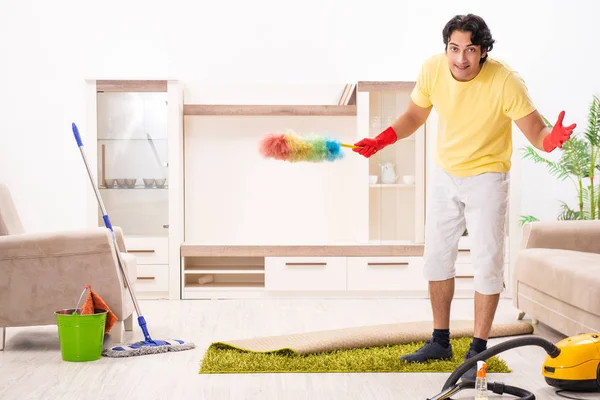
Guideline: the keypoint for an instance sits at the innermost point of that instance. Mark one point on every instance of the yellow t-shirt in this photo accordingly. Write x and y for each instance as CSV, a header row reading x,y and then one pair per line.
x,y
475,117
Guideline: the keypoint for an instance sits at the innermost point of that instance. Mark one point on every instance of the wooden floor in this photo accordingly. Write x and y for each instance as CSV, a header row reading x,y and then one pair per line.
x,y
31,366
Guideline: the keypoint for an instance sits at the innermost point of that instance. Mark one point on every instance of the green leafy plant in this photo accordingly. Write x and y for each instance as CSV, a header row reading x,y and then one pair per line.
x,y
579,159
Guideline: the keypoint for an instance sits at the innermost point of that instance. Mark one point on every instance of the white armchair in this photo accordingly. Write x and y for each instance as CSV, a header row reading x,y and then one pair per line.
x,y
44,272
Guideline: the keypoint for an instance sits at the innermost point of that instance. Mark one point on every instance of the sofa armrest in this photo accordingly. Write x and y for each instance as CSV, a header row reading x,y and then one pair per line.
x,y
120,241
44,272
566,235
52,244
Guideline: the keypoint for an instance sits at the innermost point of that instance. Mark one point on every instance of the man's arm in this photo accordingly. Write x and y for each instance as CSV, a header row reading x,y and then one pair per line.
x,y
542,137
534,129
403,127
411,120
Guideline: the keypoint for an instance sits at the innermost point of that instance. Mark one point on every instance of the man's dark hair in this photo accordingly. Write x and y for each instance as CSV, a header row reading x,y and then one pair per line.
x,y
480,33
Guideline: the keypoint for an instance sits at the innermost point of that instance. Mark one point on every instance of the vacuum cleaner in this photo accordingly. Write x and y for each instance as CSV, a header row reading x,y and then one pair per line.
x,y
572,364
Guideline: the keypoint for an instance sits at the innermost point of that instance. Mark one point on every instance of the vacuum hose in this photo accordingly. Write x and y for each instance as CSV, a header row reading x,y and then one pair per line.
x,y
496,387
451,387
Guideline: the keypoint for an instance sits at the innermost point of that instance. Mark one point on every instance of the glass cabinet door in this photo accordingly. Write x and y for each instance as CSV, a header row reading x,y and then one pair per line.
x,y
133,161
394,175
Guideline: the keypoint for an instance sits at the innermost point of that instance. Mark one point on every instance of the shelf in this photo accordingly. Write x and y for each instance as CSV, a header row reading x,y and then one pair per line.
x,y
131,86
269,110
374,86
195,253
132,139
133,188
227,272
391,242
224,286
391,185
191,270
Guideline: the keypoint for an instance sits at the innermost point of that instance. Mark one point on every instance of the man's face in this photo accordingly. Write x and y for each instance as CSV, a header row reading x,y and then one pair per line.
x,y
463,56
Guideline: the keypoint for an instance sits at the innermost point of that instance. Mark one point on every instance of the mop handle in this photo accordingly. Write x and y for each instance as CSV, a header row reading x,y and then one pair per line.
x,y
96,192
107,223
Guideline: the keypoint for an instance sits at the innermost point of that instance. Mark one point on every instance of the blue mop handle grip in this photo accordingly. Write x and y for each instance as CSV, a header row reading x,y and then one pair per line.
x,y
142,324
107,222
77,136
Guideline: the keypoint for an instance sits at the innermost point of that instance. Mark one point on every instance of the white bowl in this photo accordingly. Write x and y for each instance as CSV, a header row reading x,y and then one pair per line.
x,y
408,179
372,179
148,182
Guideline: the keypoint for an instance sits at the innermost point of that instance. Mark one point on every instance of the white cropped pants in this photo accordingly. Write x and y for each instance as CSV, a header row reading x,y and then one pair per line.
x,y
478,203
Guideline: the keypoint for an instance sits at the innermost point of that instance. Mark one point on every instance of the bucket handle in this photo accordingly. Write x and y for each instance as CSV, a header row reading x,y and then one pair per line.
x,y
81,297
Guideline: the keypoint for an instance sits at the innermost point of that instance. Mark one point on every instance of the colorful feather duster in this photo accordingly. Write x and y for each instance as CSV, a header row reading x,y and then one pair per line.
x,y
293,148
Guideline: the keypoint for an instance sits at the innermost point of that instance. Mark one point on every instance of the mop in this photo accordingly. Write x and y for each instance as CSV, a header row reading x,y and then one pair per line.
x,y
291,147
148,345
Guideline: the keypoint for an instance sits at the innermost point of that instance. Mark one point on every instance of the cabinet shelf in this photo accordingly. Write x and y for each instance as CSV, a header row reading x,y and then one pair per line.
x,y
130,139
269,110
192,287
228,273
198,271
391,185
378,86
133,188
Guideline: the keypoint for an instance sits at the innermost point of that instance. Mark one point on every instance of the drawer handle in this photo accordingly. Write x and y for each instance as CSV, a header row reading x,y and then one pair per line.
x,y
387,263
140,251
146,278
464,276
304,264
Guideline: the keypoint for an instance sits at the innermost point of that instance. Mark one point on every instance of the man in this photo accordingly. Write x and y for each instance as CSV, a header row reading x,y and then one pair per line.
x,y
476,98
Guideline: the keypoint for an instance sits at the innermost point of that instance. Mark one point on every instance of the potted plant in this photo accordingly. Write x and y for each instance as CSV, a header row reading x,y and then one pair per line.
x,y
579,159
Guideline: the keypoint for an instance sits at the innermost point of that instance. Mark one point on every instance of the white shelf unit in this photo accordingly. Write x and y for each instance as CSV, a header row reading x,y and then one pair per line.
x,y
329,276
323,271
225,272
134,129
396,208
231,197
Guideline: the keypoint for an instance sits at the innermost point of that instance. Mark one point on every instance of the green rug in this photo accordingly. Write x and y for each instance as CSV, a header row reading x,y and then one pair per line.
x,y
222,358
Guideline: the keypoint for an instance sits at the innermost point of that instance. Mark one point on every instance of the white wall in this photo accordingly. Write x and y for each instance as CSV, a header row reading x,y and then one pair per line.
x,y
49,49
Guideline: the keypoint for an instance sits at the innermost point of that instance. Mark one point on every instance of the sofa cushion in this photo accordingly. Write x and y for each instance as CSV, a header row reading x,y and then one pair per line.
x,y
570,276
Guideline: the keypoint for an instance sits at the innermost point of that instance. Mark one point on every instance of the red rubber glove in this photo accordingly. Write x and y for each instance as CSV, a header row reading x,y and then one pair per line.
x,y
559,134
369,146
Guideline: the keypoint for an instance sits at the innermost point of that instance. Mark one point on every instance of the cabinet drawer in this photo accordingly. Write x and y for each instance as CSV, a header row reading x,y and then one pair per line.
x,y
305,273
386,273
464,256
148,250
464,271
152,278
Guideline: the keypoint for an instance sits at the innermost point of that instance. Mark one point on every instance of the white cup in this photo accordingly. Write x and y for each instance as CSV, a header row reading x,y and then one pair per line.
x,y
408,179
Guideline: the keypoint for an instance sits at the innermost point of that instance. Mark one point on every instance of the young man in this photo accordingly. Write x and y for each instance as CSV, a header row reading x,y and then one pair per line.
x,y
476,98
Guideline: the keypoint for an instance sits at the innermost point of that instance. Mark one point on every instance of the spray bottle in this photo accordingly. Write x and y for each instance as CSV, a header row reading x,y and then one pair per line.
x,y
481,392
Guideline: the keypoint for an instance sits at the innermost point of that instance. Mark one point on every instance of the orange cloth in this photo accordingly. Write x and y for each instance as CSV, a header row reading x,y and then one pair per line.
x,y
93,301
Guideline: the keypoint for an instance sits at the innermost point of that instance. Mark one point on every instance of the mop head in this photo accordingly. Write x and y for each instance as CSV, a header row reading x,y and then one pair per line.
x,y
145,347
293,148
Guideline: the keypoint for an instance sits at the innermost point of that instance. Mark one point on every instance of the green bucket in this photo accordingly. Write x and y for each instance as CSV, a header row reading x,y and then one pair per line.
x,y
81,336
